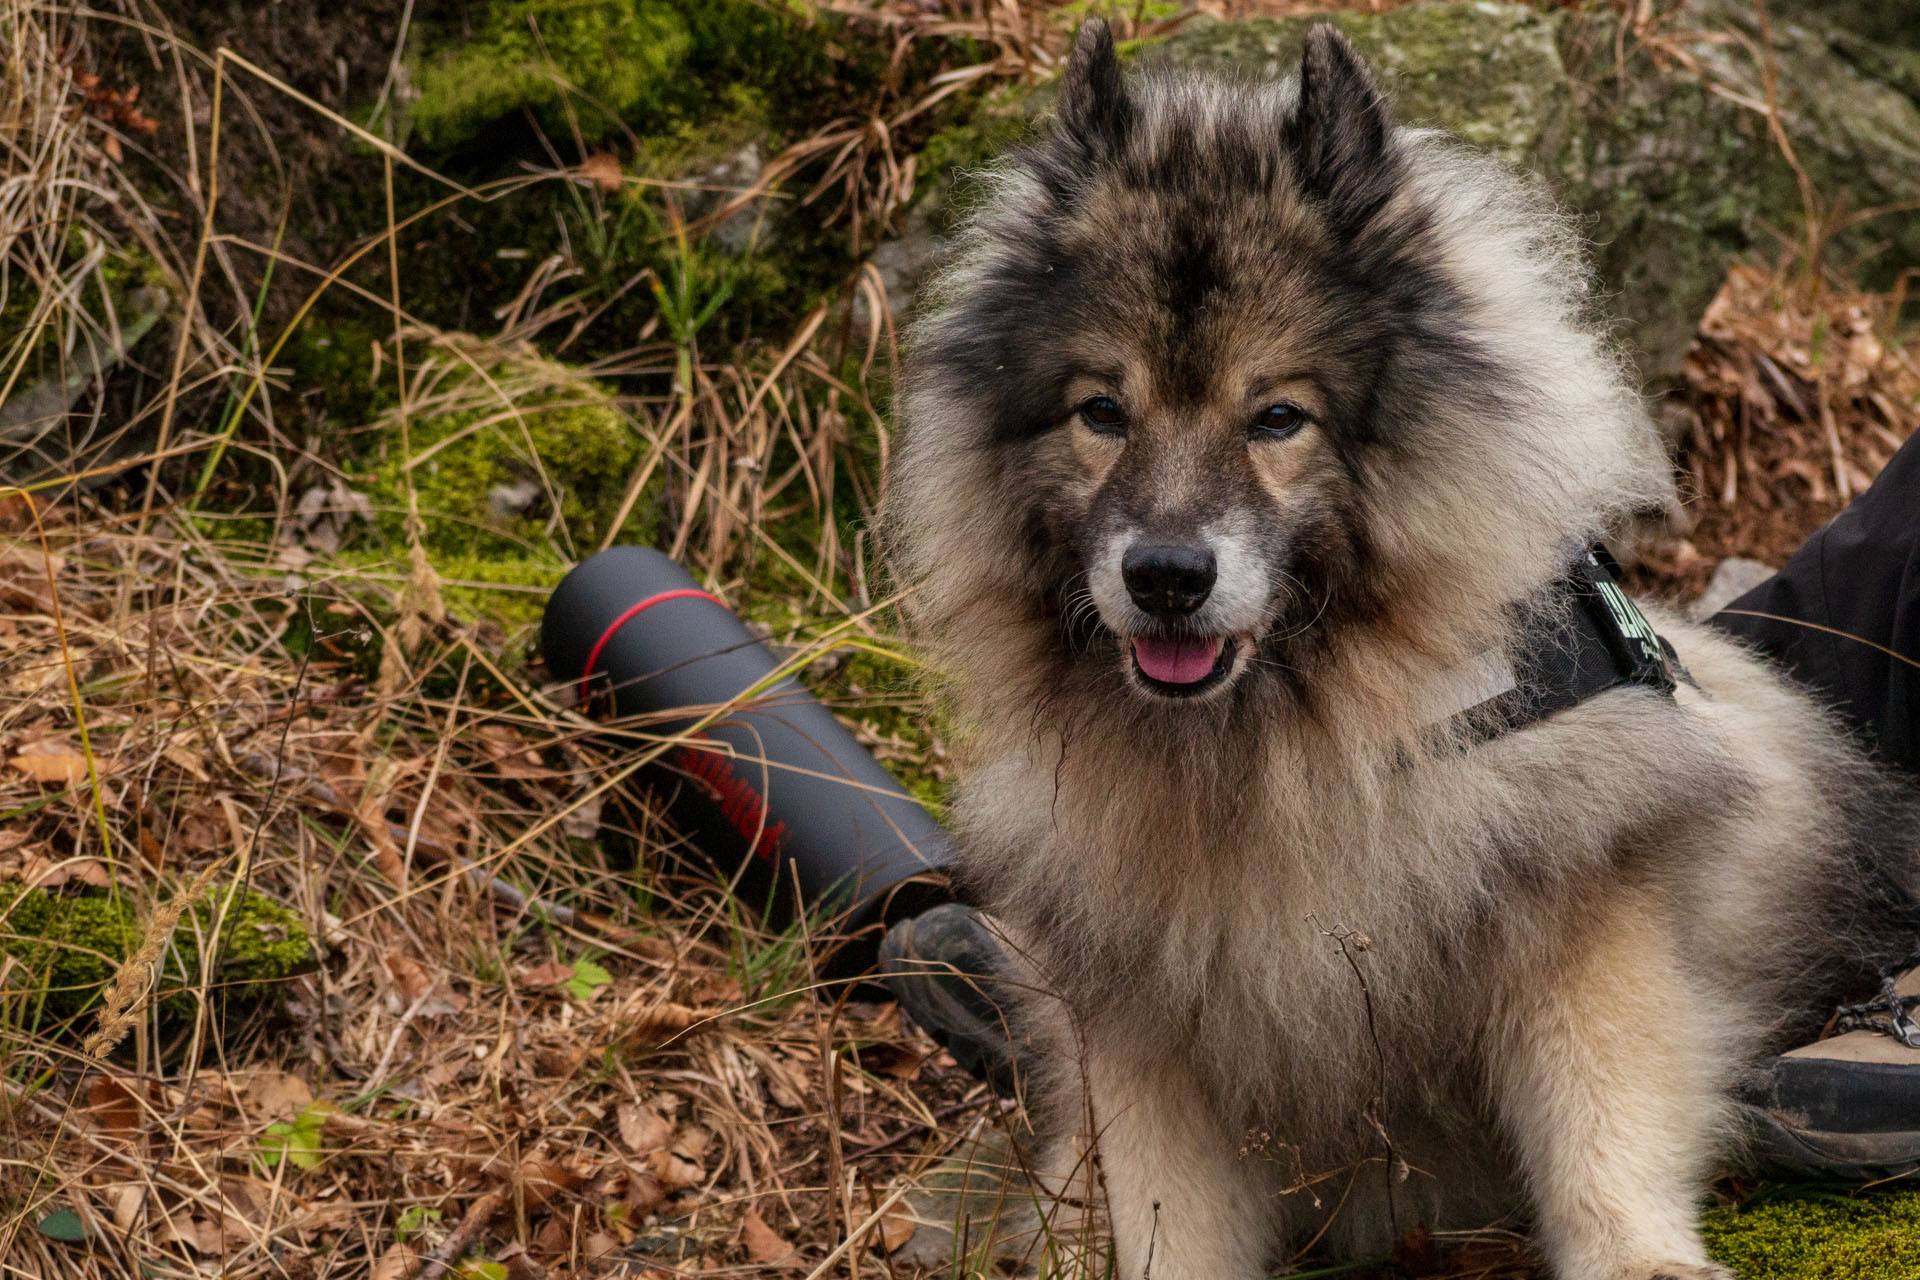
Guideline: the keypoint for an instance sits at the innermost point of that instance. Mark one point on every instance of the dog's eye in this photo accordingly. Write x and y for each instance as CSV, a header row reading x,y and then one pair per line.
x,y
1104,415
1278,421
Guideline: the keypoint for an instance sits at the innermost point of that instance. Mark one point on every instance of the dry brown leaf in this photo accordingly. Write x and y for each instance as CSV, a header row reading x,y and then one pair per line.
x,y
598,1245
542,1180
395,1264
203,830
602,169
42,873
114,1107
675,1173
764,1244
644,1193
901,1062
519,1265
643,1129
550,974
896,1228
556,1063
23,578
16,512
692,1142
56,766
553,1240
582,821
278,1094
152,849
187,761
408,975
127,1203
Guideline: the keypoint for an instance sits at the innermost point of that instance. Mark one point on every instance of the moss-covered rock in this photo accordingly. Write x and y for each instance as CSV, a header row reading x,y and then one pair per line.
x,y
1488,73
1820,1237
512,458
1672,177
68,949
609,58
1680,178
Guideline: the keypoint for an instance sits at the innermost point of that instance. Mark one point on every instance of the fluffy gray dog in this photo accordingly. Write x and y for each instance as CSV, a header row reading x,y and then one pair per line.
x,y
1241,435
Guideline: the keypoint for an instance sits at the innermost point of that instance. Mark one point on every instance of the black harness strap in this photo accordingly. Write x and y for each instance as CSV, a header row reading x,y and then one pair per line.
x,y
1584,638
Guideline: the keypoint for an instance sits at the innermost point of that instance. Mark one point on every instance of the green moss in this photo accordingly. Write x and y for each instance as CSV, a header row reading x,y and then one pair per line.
x,y
564,441
646,67
1820,1237
508,589
69,948
126,289
543,55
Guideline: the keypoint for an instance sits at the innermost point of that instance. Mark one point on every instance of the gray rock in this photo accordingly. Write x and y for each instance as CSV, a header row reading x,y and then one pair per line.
x,y
505,501
1732,578
750,228
35,439
974,1203
1671,176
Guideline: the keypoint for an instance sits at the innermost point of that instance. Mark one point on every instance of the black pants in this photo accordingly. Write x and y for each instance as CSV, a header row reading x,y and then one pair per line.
x,y
1843,616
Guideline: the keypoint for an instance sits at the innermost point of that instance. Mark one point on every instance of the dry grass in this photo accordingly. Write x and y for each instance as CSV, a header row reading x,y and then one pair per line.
x,y
514,1053
1798,392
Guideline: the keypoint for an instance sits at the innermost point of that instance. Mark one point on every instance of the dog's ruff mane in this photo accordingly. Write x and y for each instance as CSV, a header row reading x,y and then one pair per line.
x,y
1473,511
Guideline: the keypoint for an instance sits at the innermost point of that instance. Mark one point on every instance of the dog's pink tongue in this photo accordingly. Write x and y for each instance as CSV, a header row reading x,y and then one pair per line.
x,y
1176,661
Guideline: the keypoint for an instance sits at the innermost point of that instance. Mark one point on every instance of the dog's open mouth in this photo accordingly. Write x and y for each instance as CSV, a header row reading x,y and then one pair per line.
x,y
1181,666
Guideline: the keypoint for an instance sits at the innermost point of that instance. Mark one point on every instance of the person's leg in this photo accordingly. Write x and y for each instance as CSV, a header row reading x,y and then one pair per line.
x,y
1843,617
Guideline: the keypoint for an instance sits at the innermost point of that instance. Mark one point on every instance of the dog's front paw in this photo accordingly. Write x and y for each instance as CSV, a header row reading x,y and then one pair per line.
x,y
1682,1271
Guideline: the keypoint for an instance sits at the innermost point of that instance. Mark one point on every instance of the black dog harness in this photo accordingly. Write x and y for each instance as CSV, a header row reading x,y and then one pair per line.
x,y
1584,638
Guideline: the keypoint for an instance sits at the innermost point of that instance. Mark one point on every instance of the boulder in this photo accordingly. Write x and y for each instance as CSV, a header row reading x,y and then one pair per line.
x,y
1656,140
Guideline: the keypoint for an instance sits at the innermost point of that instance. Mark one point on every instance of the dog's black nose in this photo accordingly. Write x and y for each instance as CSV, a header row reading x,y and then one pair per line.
x,y
1168,581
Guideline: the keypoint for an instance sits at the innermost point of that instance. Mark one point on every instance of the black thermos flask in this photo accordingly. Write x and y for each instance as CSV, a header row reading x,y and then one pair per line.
x,y
783,796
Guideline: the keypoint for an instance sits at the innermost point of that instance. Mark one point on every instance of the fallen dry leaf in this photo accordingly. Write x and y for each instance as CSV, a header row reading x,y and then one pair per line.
x,y
113,1106
643,1129
41,873
519,1264
278,1094
17,512
644,1194
203,831
152,848
409,975
764,1244
127,1203
692,1142
56,766
542,1180
675,1173
896,1228
602,169
550,974
395,1264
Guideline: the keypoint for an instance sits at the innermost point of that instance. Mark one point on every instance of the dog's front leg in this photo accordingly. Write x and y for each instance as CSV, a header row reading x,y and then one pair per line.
x,y
1182,1203
1607,1079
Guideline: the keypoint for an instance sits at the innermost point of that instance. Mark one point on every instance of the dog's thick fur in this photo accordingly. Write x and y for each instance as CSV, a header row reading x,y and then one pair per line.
x,y
1576,935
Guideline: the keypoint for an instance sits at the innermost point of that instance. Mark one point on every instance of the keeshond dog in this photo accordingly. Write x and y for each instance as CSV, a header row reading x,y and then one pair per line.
x,y
1238,433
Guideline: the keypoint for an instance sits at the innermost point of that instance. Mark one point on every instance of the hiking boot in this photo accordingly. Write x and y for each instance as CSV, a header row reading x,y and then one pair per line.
x,y
942,966
1847,1106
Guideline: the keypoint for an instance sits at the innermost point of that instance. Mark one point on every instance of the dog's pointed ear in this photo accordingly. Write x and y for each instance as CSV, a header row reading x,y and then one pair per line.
x,y
1341,131
1094,110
